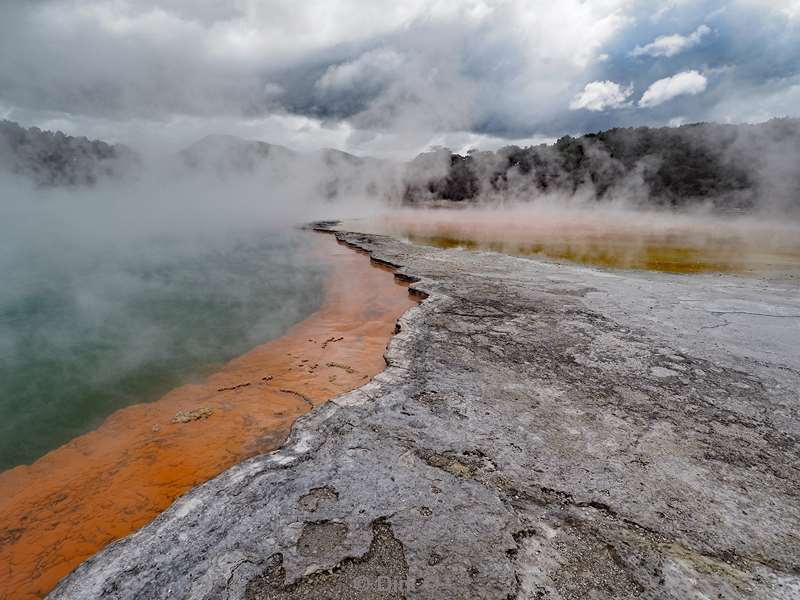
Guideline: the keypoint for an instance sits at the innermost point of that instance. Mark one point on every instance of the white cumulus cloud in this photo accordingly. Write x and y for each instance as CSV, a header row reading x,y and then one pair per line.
x,y
670,45
688,83
369,68
601,95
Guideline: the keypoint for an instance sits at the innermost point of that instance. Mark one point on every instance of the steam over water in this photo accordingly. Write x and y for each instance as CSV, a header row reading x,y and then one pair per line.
x,y
96,315
608,237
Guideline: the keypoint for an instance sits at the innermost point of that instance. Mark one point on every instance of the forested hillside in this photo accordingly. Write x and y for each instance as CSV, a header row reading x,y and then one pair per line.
x,y
53,158
731,166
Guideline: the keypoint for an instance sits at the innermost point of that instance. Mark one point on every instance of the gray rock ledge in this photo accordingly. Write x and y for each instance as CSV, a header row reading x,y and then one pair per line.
x,y
542,431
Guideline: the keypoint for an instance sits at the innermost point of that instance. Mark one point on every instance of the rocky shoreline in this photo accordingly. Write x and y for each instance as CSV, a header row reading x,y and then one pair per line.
x,y
540,431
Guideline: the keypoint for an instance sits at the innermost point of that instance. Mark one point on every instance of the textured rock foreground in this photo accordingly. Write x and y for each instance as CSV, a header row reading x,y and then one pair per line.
x,y
541,431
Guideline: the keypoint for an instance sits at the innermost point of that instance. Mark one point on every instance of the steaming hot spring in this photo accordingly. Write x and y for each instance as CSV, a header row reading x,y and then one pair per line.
x,y
611,238
491,299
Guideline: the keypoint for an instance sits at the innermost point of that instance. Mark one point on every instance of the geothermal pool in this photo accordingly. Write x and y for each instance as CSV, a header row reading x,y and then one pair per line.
x,y
612,238
85,331
110,481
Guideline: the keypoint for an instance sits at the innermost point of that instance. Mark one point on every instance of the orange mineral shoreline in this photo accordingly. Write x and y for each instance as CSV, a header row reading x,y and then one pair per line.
x,y
110,482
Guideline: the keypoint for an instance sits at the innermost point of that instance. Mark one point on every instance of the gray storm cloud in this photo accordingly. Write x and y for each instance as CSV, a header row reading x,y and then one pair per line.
x,y
381,77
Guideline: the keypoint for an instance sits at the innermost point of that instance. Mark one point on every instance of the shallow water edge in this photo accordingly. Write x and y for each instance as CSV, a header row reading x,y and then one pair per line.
x,y
108,483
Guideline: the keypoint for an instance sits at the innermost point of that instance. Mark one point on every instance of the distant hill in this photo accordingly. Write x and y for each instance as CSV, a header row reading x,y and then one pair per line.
x,y
53,158
331,173
230,154
729,166
333,158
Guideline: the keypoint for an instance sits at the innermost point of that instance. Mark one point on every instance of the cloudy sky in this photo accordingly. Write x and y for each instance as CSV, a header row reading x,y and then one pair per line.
x,y
389,77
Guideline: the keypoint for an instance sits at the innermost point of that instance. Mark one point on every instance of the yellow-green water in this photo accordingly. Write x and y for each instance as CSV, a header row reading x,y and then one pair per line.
x,y
621,241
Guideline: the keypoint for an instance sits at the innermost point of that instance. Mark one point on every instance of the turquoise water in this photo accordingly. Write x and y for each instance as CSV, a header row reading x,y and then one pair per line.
x,y
88,326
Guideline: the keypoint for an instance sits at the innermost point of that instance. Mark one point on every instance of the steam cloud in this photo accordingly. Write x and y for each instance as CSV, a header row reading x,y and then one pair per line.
x,y
119,284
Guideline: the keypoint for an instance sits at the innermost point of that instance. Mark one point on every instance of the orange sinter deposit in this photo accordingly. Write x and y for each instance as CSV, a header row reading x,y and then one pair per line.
x,y
107,483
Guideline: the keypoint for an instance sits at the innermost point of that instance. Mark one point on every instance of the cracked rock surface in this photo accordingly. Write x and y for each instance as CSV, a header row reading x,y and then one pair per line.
x,y
542,431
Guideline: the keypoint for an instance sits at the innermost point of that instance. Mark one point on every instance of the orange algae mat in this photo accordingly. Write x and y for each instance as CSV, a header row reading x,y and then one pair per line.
x,y
110,482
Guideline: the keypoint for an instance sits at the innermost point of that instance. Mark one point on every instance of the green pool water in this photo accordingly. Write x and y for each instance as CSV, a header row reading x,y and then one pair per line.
x,y
89,327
